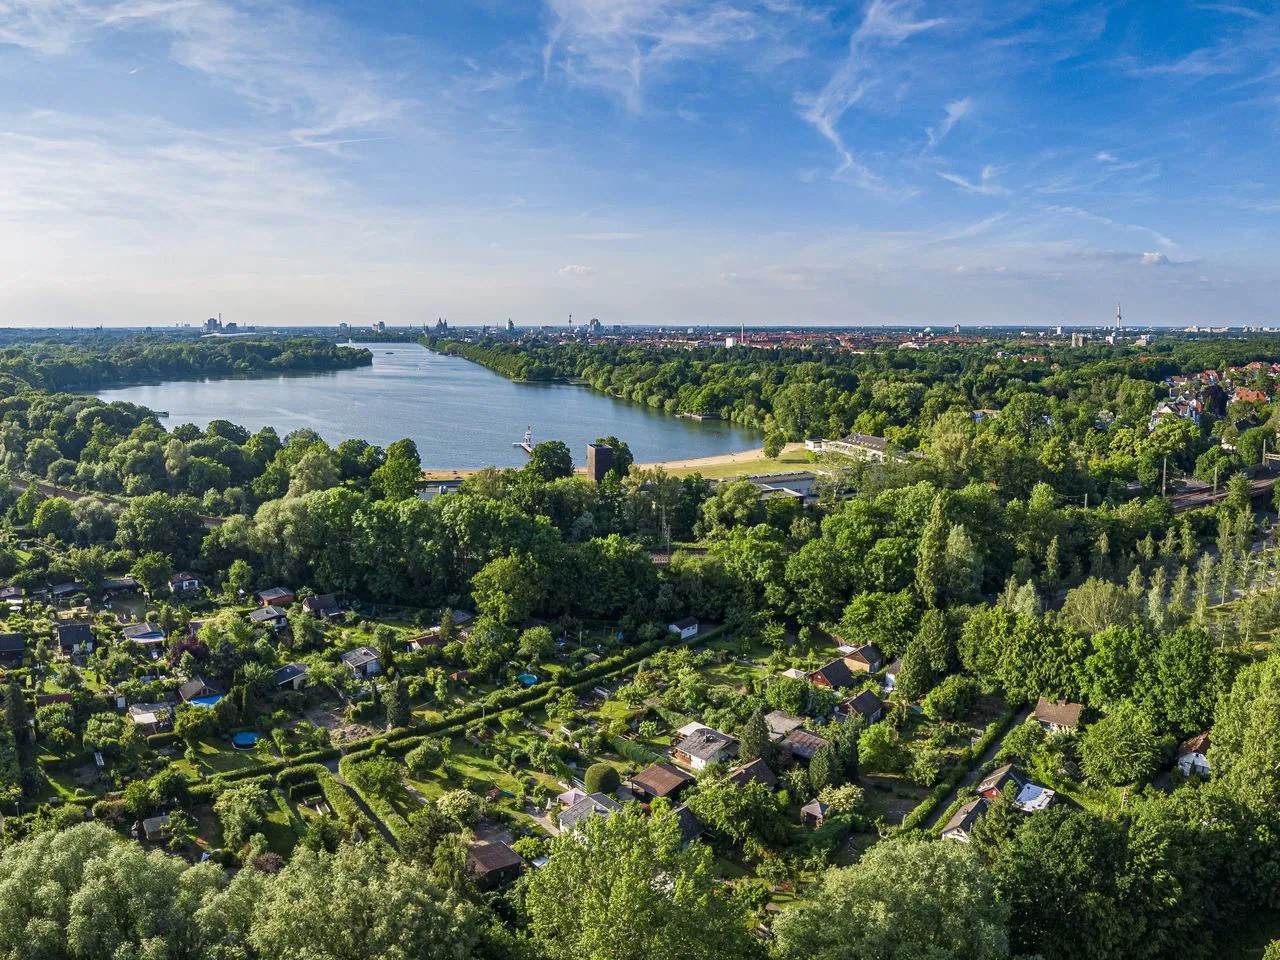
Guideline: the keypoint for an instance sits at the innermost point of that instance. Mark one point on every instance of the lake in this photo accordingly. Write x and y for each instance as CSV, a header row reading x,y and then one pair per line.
x,y
459,413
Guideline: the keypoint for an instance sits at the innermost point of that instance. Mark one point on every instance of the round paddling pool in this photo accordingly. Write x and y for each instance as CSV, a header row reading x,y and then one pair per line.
x,y
528,679
244,740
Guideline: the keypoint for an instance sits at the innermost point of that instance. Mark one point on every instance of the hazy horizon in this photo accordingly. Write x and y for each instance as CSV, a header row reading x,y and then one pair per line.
x,y
648,162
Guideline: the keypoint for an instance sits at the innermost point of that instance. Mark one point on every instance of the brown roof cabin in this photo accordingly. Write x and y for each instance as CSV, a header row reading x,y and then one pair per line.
x,y
493,864
865,659
865,705
324,605
814,813
804,744
835,675
659,780
1055,715
757,771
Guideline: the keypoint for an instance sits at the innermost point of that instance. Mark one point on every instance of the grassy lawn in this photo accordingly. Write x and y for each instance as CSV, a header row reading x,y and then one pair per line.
x,y
283,827
891,797
218,756
470,769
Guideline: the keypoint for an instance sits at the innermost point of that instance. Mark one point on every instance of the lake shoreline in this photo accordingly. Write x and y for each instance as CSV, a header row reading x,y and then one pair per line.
x,y
459,413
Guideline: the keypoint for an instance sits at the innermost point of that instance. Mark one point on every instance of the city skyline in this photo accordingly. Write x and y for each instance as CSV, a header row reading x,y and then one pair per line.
x,y
650,163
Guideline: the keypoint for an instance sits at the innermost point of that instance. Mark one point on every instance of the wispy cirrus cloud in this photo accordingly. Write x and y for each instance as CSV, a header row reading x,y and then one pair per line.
x,y
287,61
886,24
622,45
956,111
984,185
576,270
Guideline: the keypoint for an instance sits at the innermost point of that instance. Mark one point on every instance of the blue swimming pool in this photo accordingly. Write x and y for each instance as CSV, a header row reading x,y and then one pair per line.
x,y
207,701
528,679
244,740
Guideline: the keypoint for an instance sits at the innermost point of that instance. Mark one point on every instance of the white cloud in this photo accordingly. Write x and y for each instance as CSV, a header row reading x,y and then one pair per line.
x,y
285,60
576,270
956,111
617,44
1105,156
886,23
983,186
1155,260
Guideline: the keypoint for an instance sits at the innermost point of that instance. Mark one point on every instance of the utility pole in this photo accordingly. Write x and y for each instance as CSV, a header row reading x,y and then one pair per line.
x,y
1164,483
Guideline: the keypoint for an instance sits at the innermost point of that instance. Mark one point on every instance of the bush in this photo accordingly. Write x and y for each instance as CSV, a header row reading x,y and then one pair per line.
x,y
951,698
635,752
110,812
424,758
601,778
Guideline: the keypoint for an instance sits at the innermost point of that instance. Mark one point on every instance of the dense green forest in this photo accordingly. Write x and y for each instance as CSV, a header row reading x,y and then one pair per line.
x,y
979,569
1074,418
89,361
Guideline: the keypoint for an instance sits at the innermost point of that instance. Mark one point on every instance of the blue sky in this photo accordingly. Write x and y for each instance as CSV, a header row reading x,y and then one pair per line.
x,y
643,161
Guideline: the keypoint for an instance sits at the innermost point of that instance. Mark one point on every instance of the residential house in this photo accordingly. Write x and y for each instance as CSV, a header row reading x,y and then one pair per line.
x,y
147,634
75,638
686,628
12,597
865,659
781,723
493,864
1029,796
865,705
156,828
151,717
1248,395
814,814
1193,756
363,661
891,676
803,744
113,586
61,591
12,648
183,582
960,826
199,691
703,746
757,771
291,675
659,780
835,675
324,605
269,616
276,597
1057,715
690,828
592,805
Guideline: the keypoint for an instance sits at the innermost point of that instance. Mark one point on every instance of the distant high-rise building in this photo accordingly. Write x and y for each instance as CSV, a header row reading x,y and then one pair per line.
x,y
511,327
379,327
1119,325
956,328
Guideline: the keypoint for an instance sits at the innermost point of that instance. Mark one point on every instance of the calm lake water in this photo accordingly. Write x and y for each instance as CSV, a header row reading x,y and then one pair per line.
x,y
459,413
